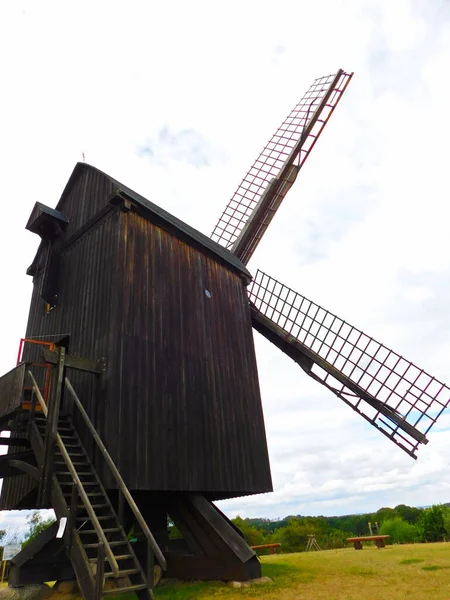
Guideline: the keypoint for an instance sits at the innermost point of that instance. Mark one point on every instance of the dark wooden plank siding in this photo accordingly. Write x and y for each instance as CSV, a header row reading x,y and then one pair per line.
x,y
84,311
86,194
189,396
180,408
15,491
11,385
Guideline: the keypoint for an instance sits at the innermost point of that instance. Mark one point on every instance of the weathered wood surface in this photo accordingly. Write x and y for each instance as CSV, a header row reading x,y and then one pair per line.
x,y
379,540
174,324
73,362
11,388
43,559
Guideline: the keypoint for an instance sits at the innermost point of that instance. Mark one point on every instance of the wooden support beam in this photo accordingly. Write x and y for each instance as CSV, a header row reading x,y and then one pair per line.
x,y
217,550
43,559
25,467
97,366
52,427
18,463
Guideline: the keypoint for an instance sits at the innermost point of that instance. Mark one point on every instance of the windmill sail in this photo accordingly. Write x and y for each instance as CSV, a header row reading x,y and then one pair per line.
x,y
253,205
394,395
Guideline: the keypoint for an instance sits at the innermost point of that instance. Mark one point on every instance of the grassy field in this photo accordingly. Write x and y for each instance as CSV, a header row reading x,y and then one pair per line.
x,y
416,571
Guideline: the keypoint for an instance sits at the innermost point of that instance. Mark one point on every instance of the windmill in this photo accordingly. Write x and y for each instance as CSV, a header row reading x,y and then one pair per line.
x,y
135,398
398,398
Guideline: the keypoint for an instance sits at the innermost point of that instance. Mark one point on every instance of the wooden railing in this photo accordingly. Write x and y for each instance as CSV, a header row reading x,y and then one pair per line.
x,y
124,492
104,548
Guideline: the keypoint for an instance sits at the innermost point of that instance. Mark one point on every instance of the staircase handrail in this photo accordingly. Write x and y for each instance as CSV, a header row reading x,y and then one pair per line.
x,y
84,497
117,476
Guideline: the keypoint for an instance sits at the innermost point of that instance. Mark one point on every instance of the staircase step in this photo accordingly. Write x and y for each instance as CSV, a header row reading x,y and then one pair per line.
x,y
90,495
107,530
123,573
124,590
79,473
94,506
100,518
112,544
58,452
66,483
116,556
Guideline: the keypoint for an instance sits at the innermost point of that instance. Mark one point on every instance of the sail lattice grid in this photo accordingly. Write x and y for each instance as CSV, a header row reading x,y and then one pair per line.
x,y
287,146
367,375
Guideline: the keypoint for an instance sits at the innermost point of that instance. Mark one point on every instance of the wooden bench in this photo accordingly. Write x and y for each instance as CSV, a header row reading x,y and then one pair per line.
x,y
271,547
378,539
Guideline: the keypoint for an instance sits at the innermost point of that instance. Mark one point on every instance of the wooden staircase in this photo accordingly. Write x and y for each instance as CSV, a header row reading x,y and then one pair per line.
x,y
94,539
84,547
94,546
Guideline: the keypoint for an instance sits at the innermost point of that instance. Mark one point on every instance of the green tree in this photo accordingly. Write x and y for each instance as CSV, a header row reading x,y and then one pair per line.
x,y
431,524
401,531
294,536
383,514
446,517
36,525
252,535
410,514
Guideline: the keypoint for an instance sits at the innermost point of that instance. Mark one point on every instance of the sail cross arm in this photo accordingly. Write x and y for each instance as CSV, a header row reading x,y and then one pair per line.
x,y
394,395
306,358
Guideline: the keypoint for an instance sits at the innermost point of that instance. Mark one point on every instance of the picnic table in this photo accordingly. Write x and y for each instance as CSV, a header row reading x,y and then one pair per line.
x,y
271,547
378,539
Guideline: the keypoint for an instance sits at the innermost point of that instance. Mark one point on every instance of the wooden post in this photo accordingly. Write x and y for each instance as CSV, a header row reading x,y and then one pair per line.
x,y
120,507
99,576
150,566
72,525
32,412
52,429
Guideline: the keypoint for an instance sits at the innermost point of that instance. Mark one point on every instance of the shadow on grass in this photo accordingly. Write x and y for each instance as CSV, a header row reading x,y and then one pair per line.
x,y
283,576
411,561
276,570
434,568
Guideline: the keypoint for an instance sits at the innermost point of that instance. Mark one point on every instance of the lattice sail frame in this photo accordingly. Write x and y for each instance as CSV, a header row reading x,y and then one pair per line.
x,y
278,164
403,388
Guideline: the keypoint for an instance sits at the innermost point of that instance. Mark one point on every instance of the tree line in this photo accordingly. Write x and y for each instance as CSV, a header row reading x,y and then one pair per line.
x,y
405,524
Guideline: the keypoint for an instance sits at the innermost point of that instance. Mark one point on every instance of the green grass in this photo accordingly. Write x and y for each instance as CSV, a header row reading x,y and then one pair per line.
x,y
344,574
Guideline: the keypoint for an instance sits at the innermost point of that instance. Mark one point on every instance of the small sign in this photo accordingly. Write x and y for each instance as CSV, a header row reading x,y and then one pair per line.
x,y
62,527
11,550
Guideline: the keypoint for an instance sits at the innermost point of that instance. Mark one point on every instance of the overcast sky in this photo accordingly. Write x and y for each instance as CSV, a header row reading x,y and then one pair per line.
x,y
175,99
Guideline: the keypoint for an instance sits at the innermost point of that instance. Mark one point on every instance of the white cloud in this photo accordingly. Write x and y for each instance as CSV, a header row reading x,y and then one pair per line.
x,y
364,231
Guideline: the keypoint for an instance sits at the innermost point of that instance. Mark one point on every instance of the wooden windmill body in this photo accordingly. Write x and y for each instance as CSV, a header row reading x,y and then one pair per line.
x,y
168,310
148,377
